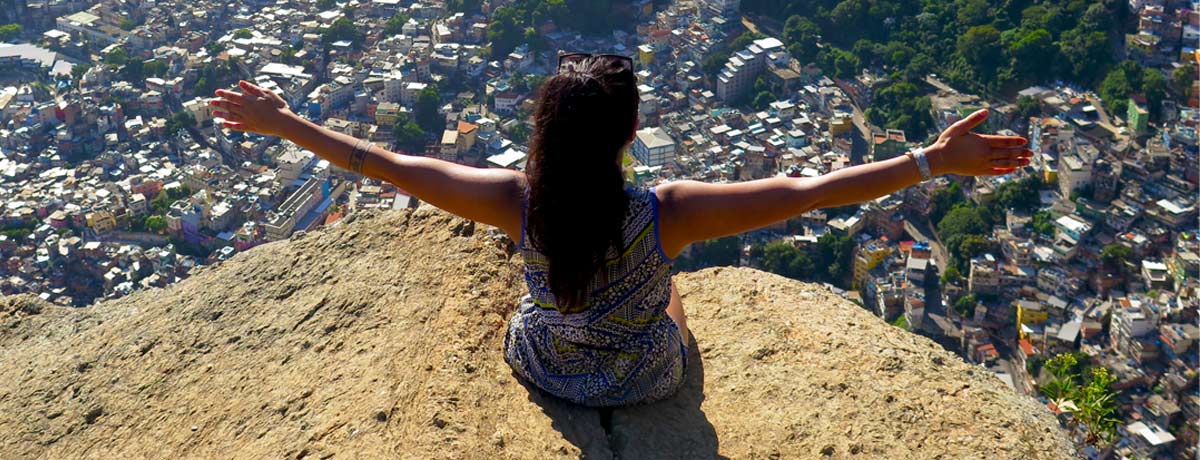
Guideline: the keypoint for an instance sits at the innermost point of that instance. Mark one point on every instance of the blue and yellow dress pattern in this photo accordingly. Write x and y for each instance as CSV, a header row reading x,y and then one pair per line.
x,y
623,349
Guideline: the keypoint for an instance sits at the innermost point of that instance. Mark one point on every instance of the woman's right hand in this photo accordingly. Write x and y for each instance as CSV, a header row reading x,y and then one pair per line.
x,y
257,110
960,151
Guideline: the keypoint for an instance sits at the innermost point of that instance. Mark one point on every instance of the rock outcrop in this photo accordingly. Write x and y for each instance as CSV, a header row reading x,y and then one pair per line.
x,y
381,338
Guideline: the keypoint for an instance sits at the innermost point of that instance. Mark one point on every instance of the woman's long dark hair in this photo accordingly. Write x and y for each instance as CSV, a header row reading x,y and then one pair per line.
x,y
577,201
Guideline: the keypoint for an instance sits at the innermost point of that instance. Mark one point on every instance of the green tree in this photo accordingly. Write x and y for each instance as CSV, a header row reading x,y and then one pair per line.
x,y
951,275
395,24
156,224
1116,88
1043,222
1028,106
724,251
9,32
126,24
133,70
505,31
78,70
428,103
117,57
1034,55
972,246
744,40
242,33
837,254
1154,87
1021,195
214,48
763,100
1086,53
534,39
154,68
1115,254
838,62
802,35
1182,80
965,305
973,13
408,134
785,259
519,132
180,120
943,200
980,46
713,63
343,29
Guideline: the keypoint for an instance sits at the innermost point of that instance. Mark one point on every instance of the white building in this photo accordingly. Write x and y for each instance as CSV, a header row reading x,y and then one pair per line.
x,y
653,147
744,67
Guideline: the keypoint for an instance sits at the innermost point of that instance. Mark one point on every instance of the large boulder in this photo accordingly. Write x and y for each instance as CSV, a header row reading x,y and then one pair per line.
x,y
381,338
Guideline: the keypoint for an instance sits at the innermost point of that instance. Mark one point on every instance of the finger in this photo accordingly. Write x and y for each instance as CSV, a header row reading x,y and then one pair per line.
x,y
227,115
970,122
1004,141
232,96
250,88
1010,153
227,105
234,125
279,102
1009,162
1002,170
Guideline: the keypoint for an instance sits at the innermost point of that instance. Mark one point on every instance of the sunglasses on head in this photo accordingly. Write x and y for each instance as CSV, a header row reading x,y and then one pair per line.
x,y
573,62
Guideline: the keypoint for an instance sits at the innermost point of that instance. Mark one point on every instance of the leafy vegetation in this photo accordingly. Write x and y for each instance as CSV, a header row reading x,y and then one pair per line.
x,y
180,120
1127,79
1115,255
1091,401
830,261
395,24
18,230
9,32
214,74
409,135
990,47
428,102
519,21
712,253
1043,222
343,29
965,305
964,227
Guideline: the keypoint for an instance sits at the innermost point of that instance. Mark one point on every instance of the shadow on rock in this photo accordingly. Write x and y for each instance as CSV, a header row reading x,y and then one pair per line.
x,y
675,427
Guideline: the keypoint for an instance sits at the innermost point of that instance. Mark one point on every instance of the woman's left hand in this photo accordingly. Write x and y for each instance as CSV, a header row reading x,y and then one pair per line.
x,y
960,151
258,110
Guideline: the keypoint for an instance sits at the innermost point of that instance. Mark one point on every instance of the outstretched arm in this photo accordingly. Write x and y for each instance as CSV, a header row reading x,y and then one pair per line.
x,y
491,196
694,211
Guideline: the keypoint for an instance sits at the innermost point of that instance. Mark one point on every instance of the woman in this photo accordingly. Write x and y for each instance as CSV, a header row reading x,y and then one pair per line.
x,y
602,324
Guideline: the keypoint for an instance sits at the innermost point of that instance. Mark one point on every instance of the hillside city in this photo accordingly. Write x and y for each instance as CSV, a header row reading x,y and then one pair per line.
x,y
115,177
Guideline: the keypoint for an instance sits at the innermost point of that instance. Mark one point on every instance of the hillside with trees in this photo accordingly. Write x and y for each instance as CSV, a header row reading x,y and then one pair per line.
x,y
991,47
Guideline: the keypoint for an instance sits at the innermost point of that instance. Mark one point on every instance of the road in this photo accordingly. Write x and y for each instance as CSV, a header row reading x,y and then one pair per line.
x,y
939,85
1106,120
921,231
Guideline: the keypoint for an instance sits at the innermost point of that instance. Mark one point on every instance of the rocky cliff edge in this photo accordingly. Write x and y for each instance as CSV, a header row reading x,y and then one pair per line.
x,y
381,338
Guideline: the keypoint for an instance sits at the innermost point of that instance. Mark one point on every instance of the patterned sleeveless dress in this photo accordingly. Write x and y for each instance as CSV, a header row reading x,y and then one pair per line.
x,y
623,349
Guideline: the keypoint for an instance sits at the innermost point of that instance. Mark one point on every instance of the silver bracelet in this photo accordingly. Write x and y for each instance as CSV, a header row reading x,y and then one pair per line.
x,y
358,155
922,162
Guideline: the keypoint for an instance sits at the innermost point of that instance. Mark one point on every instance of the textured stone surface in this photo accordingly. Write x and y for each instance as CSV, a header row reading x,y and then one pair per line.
x,y
381,339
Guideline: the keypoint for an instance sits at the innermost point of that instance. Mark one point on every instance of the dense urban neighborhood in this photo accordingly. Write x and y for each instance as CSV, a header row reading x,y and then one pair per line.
x,y
1080,269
